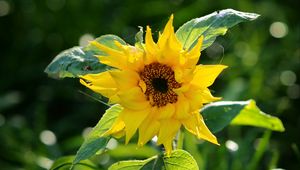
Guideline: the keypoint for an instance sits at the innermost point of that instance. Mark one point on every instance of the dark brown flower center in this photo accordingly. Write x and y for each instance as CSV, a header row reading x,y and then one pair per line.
x,y
160,82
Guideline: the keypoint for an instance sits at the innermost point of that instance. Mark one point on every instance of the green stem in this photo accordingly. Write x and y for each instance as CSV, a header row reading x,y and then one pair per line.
x,y
262,146
180,139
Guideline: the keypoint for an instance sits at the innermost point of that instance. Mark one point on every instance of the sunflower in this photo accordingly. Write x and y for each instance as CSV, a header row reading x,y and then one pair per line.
x,y
159,85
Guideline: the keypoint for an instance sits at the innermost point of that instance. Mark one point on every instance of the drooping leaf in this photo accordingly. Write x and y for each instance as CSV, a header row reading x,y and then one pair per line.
x,y
251,115
218,115
178,159
65,163
95,141
78,61
211,26
74,62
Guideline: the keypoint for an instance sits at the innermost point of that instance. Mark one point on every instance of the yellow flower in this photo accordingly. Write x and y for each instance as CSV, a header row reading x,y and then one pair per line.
x,y
159,86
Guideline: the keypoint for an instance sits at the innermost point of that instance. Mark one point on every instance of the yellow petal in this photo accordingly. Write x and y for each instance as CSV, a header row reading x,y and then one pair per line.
x,y
102,83
207,97
170,46
142,85
149,127
162,41
133,99
168,130
151,47
115,58
195,124
195,98
183,75
168,147
152,50
166,112
184,87
125,79
182,107
116,128
196,103
119,134
134,55
205,75
194,55
132,120
198,96
170,55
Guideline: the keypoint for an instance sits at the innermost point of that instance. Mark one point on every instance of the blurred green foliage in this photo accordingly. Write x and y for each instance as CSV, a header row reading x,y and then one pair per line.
x,y
263,58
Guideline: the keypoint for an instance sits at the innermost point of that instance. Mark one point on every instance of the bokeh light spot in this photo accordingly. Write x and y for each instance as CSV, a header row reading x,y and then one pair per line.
x,y
231,145
288,78
250,58
44,162
85,39
104,159
86,131
48,137
278,29
4,8
112,143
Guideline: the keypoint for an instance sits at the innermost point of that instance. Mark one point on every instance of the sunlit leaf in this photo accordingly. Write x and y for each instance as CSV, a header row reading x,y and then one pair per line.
x,y
218,115
177,160
65,163
95,141
253,116
180,160
74,62
211,26
131,164
78,61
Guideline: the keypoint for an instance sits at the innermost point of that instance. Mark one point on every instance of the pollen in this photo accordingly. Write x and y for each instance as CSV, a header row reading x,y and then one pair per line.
x,y
160,82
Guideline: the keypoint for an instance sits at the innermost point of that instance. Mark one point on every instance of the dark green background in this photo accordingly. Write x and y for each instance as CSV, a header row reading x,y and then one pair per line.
x,y
35,31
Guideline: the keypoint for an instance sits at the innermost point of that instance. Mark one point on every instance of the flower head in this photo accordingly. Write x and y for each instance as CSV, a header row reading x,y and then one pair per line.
x,y
159,85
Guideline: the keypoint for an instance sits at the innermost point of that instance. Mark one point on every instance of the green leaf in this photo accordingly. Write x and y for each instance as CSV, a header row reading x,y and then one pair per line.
x,y
78,61
211,26
253,116
218,115
178,159
66,163
73,63
95,141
